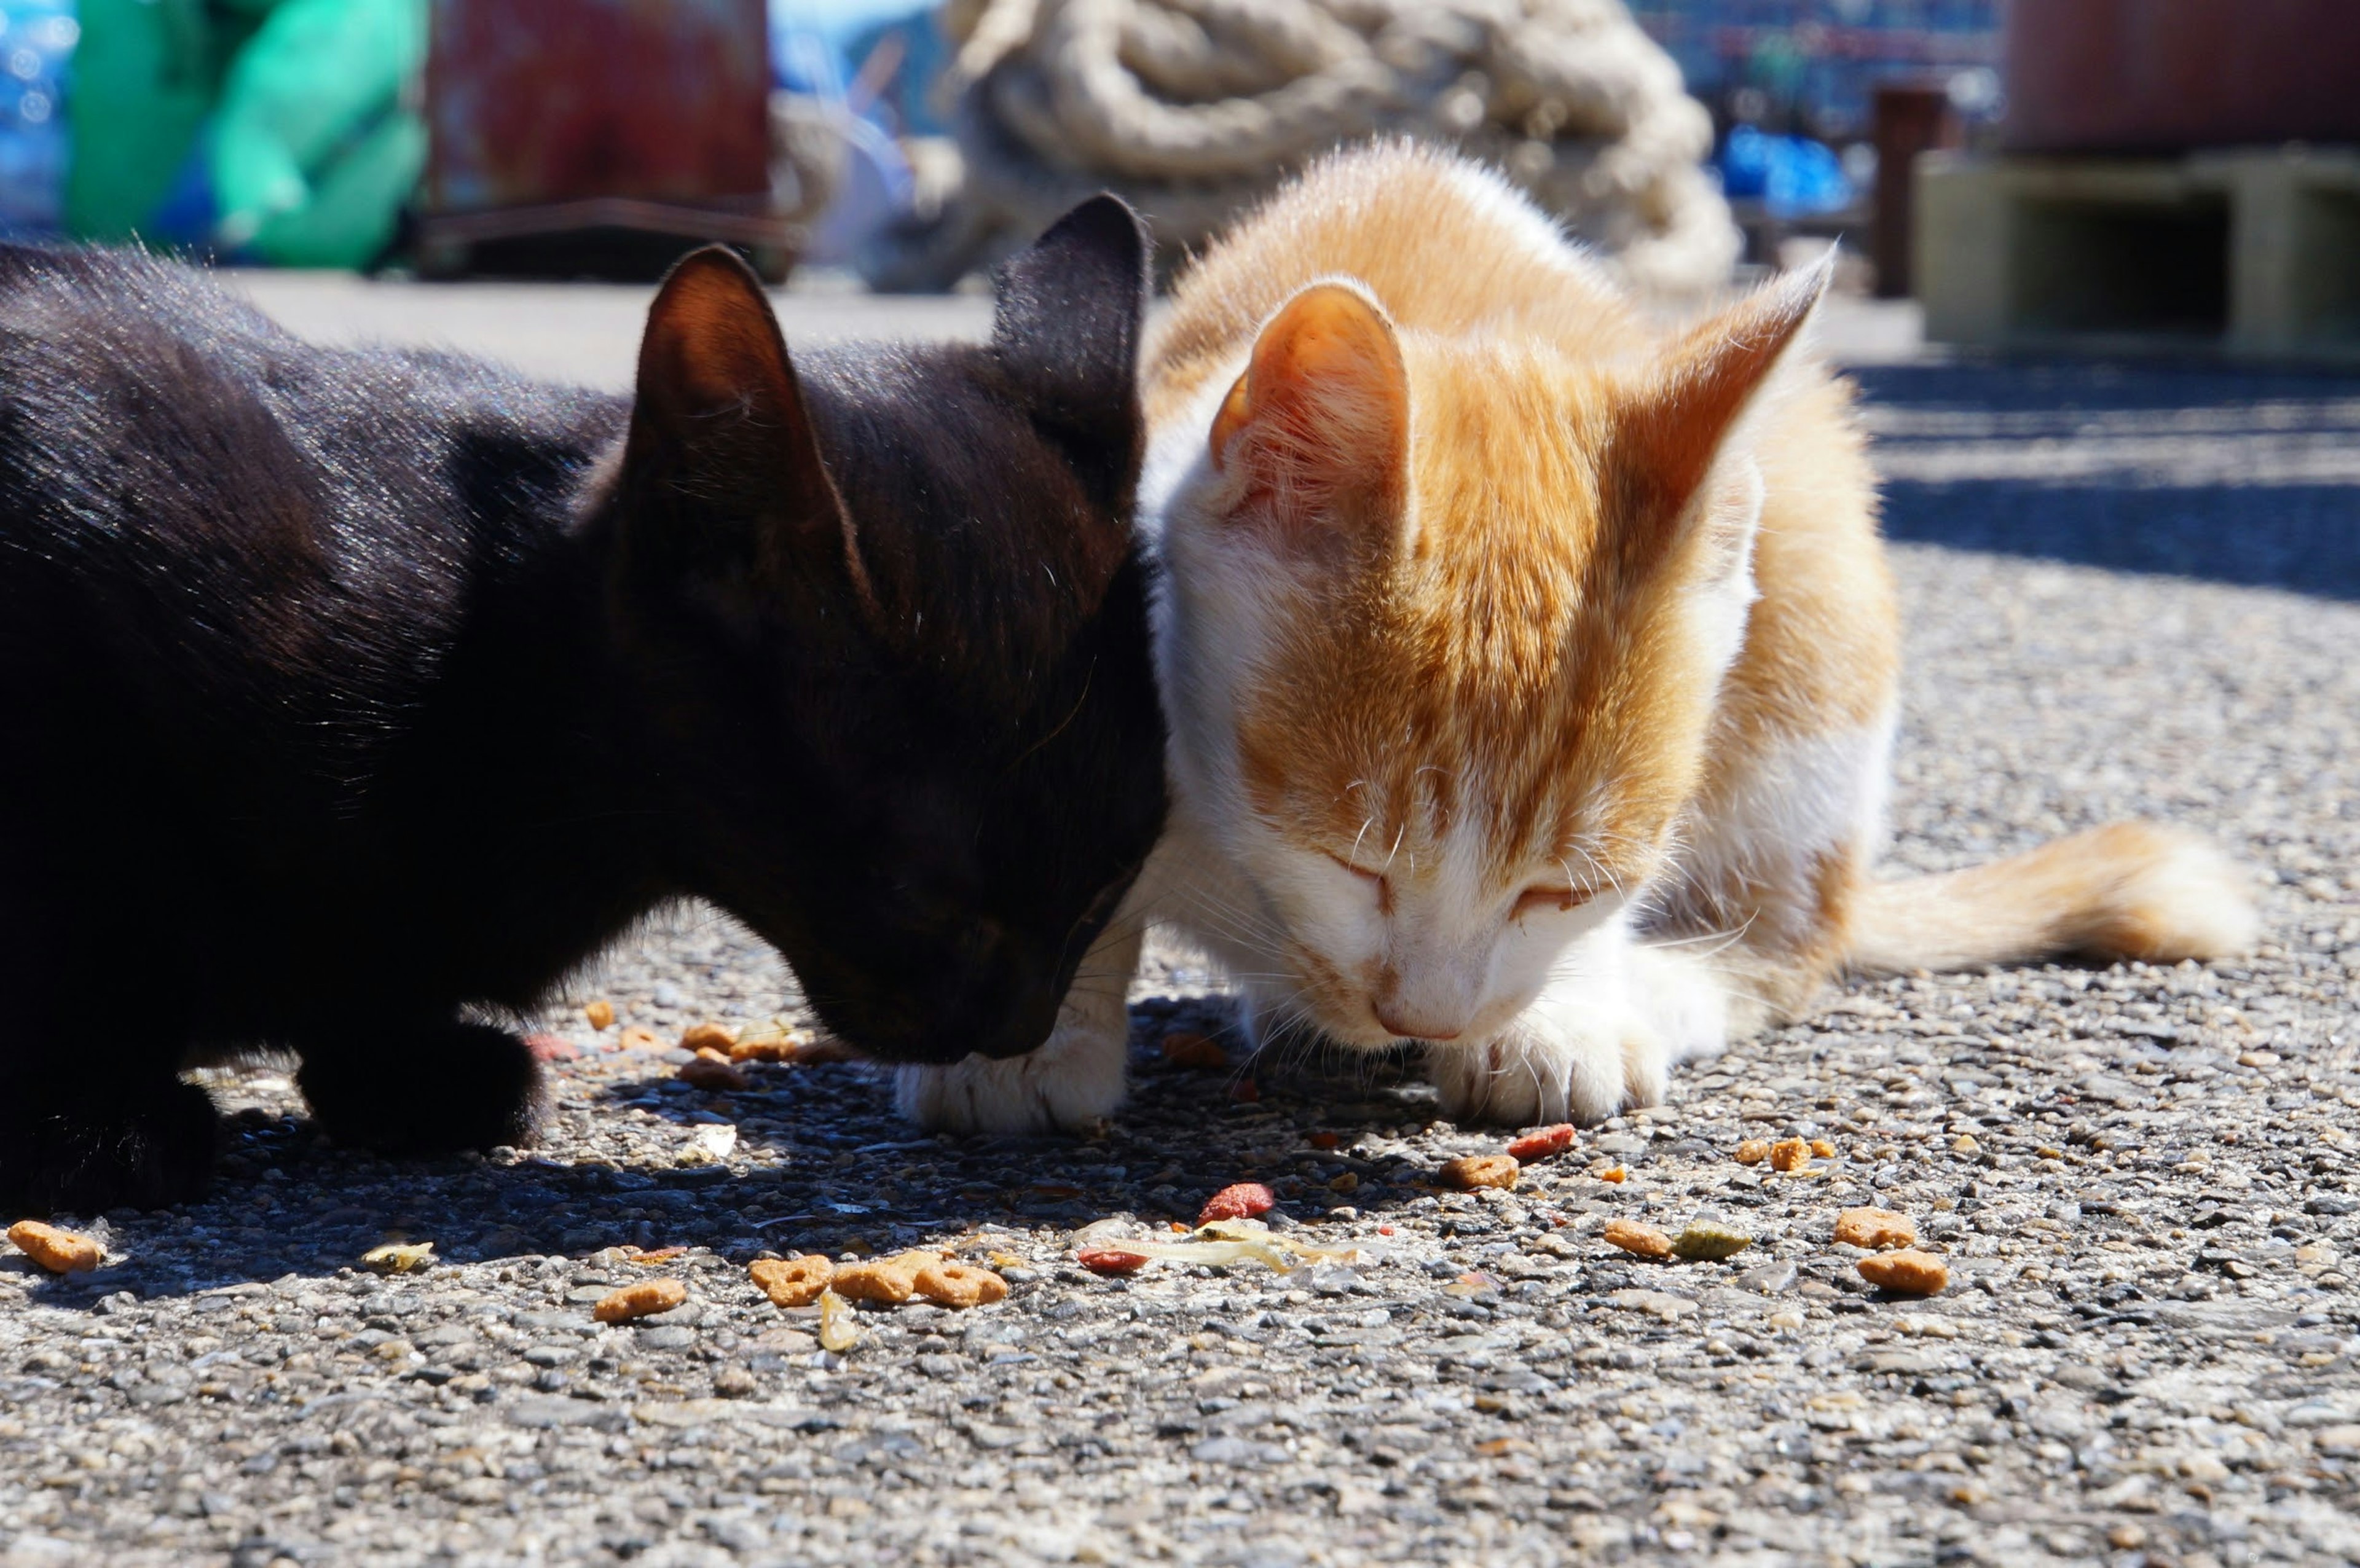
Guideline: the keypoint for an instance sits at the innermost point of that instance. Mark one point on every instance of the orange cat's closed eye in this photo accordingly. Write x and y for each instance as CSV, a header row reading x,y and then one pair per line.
x,y
1558,898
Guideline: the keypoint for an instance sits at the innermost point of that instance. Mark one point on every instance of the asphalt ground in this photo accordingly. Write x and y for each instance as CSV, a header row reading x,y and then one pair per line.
x,y
2131,590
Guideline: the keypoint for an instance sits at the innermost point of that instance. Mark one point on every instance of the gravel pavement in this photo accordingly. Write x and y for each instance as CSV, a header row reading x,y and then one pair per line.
x,y
2146,1183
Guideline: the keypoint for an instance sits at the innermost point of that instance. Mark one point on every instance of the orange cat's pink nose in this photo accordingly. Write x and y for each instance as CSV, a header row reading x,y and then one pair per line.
x,y
1395,1021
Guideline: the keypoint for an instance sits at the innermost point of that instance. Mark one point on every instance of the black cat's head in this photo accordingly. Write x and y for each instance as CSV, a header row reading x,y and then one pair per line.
x,y
883,613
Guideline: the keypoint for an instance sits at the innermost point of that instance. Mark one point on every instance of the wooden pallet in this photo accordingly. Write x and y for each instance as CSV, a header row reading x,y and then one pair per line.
x,y
2248,254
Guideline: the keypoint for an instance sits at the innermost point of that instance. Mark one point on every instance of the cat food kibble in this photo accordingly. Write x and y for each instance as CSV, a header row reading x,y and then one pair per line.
x,y
1709,1241
1186,1048
960,1285
837,1332
1823,1149
58,1251
1241,1202
399,1258
1875,1229
1646,1241
600,1013
1545,1144
1789,1154
708,1037
1752,1151
710,1072
1112,1260
891,1281
643,1300
1481,1171
792,1282
639,1037
1908,1272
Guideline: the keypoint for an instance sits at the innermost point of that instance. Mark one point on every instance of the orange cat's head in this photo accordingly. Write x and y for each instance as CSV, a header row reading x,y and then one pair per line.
x,y
1443,622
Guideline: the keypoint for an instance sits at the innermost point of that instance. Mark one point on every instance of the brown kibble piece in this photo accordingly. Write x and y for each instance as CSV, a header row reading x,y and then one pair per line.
x,y
58,1251
1908,1272
960,1285
892,1281
1632,1237
1186,1048
1545,1144
645,1298
1875,1229
792,1282
639,1037
712,1073
1789,1154
600,1014
1752,1151
1822,1149
1481,1171
708,1037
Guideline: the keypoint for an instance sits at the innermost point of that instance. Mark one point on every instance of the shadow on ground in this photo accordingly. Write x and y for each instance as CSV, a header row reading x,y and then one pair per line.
x,y
2240,477
824,1164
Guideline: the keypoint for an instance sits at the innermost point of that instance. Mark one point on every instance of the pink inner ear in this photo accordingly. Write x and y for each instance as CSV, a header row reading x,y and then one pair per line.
x,y
1321,416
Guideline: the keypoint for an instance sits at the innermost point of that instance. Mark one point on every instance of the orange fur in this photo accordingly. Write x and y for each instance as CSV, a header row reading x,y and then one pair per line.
x,y
1531,669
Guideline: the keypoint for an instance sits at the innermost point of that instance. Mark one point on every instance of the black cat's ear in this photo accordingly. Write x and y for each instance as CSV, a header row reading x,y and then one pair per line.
x,y
720,427
1067,331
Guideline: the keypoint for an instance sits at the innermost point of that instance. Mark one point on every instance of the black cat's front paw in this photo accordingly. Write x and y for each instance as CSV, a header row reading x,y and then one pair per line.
x,y
83,1148
435,1090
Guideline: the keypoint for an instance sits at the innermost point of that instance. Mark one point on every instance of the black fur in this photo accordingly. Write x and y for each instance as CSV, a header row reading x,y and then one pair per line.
x,y
345,696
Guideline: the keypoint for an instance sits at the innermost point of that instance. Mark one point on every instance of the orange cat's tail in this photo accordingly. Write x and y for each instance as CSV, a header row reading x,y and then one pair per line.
x,y
2131,891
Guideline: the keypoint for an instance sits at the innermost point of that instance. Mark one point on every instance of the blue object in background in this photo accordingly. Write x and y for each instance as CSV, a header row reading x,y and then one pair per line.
x,y
817,47
1791,175
37,42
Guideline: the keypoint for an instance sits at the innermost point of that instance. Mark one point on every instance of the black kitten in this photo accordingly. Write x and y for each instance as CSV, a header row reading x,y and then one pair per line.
x,y
345,696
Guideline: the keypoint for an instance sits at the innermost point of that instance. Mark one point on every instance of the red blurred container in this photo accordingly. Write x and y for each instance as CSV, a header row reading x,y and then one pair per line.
x,y
601,120
2172,75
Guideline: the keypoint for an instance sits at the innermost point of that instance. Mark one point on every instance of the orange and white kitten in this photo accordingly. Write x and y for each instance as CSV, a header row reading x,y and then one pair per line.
x,y
1531,674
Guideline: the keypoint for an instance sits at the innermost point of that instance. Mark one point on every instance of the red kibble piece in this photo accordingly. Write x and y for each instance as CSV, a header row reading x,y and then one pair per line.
x,y
1545,1143
1112,1260
550,1048
1242,1202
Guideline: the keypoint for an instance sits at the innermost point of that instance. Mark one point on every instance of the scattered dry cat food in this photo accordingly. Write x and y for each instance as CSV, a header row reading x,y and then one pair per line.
x,y
1481,1171
707,1036
792,1282
1186,1048
643,1300
1752,1151
960,1285
600,1013
647,1258
891,1281
1789,1154
1908,1272
1646,1241
58,1251
1875,1229
639,1037
398,1257
1821,1149
1711,1241
1613,1173
1112,1260
1241,1200
837,1332
1548,1143
710,1072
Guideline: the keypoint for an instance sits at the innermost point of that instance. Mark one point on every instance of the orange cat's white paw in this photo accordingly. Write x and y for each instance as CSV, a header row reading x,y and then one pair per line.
x,y
1542,1071
1072,1081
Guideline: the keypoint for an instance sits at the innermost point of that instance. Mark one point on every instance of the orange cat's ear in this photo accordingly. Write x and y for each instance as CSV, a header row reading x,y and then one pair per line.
x,y
1685,419
1317,427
